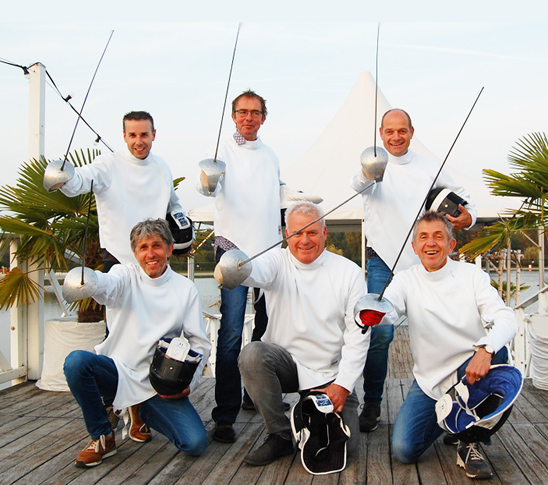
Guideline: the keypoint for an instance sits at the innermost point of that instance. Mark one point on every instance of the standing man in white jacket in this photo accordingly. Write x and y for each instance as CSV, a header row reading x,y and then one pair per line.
x,y
129,186
311,341
390,209
247,217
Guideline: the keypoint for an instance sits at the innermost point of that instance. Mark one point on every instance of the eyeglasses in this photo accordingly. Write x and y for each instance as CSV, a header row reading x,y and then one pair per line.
x,y
242,113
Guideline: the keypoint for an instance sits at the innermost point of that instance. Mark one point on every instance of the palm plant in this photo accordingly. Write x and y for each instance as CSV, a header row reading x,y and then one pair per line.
x,y
51,227
530,183
513,288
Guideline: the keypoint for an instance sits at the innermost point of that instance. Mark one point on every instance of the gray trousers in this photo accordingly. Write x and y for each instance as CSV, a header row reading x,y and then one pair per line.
x,y
268,371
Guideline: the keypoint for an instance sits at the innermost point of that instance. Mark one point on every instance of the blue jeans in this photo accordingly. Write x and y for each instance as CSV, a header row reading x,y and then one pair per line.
x,y
376,364
228,383
93,380
416,426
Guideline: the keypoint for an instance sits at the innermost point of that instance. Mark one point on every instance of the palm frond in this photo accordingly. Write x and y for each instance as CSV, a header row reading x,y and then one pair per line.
x,y
531,153
17,288
502,185
498,234
48,224
177,181
488,239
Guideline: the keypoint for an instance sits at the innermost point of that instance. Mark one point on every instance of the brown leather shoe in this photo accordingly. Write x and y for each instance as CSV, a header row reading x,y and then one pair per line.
x,y
98,449
138,431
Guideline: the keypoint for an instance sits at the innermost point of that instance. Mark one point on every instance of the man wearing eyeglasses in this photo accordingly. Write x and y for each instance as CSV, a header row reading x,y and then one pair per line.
x,y
247,217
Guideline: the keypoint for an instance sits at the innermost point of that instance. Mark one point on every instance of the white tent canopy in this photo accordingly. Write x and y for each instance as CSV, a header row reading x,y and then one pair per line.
x,y
326,168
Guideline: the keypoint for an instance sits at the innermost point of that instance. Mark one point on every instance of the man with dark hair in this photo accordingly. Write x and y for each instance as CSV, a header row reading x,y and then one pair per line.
x,y
138,116
247,217
250,94
390,208
129,186
149,302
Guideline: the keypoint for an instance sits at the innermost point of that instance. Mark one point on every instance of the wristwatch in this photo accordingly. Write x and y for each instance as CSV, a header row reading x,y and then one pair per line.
x,y
488,348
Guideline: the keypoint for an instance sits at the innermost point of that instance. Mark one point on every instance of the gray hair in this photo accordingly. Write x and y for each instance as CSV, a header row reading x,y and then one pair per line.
x,y
433,216
307,208
150,228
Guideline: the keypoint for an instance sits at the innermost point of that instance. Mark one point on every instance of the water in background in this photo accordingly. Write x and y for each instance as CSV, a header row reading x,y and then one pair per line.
x,y
207,287
210,298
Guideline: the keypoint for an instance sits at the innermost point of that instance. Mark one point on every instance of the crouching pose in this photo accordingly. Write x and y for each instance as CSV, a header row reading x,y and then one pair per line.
x,y
447,303
311,341
149,302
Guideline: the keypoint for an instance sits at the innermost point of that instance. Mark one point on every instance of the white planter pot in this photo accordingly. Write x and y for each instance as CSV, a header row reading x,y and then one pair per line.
x,y
61,337
537,333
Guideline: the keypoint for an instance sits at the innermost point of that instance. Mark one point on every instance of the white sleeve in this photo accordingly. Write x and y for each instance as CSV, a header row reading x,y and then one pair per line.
x,y
493,310
359,182
264,270
98,172
356,344
194,332
174,204
111,285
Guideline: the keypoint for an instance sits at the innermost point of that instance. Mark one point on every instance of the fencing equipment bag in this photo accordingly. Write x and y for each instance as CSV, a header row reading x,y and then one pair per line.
x,y
444,201
320,434
473,413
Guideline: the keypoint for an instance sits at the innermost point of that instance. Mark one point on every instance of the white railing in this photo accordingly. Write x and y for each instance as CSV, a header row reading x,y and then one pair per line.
x,y
27,335
213,322
519,347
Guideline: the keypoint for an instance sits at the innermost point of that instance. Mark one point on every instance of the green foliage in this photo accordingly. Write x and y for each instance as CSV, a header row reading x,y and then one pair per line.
x,y
15,285
50,226
513,288
529,183
348,244
204,256
531,254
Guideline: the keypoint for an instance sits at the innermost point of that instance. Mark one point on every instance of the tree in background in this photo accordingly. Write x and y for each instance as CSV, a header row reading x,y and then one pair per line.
x,y
347,244
529,183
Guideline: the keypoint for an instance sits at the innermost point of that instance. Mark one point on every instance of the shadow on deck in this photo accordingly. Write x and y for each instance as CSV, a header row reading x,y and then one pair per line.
x,y
42,432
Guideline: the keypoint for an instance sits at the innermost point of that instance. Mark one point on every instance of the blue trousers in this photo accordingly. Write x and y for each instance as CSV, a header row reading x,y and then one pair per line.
x,y
228,383
93,380
376,364
416,426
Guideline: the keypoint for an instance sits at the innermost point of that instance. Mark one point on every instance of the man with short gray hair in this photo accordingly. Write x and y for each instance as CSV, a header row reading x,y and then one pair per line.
x,y
448,304
311,341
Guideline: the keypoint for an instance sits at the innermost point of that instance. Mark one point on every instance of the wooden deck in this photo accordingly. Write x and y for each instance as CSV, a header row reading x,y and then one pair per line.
x,y
42,432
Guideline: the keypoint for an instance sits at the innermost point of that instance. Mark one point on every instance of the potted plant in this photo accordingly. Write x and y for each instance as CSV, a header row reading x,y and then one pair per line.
x,y
52,232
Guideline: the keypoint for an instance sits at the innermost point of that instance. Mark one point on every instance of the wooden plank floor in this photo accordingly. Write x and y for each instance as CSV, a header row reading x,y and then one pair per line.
x,y
42,432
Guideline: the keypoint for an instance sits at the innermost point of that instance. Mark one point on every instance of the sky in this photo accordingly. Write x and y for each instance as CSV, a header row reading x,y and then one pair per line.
x,y
174,62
